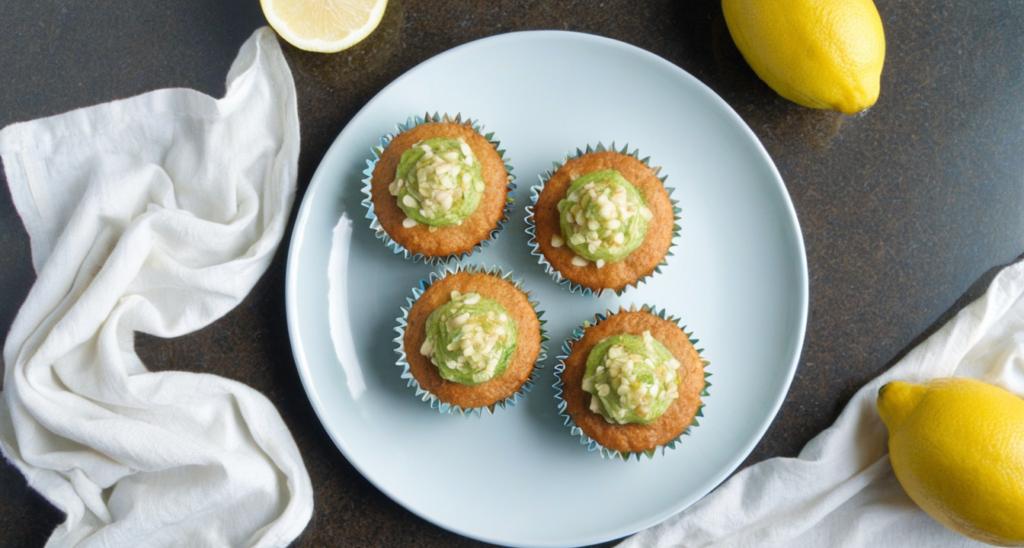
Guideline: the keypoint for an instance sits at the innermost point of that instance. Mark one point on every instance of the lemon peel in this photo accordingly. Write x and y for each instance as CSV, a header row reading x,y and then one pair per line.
x,y
957,448
825,54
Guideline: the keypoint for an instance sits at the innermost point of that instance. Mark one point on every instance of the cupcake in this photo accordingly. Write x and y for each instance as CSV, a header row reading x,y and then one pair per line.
x,y
438,190
469,340
603,221
631,382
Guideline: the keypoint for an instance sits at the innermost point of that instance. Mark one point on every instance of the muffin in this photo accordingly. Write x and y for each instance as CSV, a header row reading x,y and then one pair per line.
x,y
437,190
603,221
469,340
631,382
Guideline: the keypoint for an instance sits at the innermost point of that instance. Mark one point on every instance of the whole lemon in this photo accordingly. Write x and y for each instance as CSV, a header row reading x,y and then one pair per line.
x,y
957,447
817,53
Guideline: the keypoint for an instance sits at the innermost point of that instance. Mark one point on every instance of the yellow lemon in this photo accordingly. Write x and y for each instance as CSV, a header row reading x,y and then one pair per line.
x,y
323,25
957,447
817,53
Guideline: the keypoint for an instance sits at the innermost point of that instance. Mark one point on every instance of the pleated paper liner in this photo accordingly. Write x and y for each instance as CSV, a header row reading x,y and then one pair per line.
x,y
575,430
427,396
376,152
531,228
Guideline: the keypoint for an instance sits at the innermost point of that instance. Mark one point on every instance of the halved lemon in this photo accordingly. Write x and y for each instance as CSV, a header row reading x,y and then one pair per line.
x,y
323,25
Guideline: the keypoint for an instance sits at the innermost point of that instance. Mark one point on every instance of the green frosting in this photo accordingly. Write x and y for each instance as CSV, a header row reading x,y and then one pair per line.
x,y
438,182
603,217
633,379
470,339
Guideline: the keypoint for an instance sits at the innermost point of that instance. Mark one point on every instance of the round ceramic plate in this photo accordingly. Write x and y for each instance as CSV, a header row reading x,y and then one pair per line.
x,y
738,279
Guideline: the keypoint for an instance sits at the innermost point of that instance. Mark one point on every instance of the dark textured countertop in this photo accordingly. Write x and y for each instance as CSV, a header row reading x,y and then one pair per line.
x,y
906,209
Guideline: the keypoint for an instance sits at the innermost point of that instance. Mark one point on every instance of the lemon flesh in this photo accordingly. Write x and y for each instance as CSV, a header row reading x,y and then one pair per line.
x,y
825,54
323,25
957,448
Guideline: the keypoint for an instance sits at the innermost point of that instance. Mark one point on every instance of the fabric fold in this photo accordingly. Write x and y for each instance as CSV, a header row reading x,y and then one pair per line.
x,y
153,214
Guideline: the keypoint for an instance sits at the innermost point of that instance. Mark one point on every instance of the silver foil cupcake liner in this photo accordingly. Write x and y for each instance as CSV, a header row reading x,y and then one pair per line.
x,y
531,227
382,234
575,430
403,321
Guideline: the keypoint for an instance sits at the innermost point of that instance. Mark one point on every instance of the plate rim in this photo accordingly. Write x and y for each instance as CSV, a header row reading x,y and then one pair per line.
x,y
795,348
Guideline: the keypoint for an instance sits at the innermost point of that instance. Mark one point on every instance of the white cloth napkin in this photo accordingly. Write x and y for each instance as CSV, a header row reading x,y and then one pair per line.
x,y
841,490
155,214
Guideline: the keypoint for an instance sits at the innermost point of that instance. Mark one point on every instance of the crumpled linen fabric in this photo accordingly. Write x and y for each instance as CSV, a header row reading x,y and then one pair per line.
x,y
841,490
155,214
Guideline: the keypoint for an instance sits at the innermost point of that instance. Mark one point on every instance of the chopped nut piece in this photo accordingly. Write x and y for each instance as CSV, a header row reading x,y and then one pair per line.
x,y
427,349
458,321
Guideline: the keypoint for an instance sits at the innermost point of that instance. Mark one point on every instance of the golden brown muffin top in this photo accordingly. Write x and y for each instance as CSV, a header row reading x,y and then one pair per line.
x,y
520,366
635,437
445,240
643,260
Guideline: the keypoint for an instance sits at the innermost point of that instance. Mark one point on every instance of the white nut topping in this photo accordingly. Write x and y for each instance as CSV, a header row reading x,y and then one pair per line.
x,y
588,383
458,321
475,336
442,180
624,380
409,222
579,261
557,241
596,214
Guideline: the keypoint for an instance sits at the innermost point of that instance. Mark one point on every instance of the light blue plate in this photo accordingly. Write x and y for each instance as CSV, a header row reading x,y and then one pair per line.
x,y
738,279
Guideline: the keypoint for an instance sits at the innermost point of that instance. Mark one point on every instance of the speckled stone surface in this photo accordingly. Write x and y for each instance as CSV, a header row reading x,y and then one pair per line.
x,y
906,209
